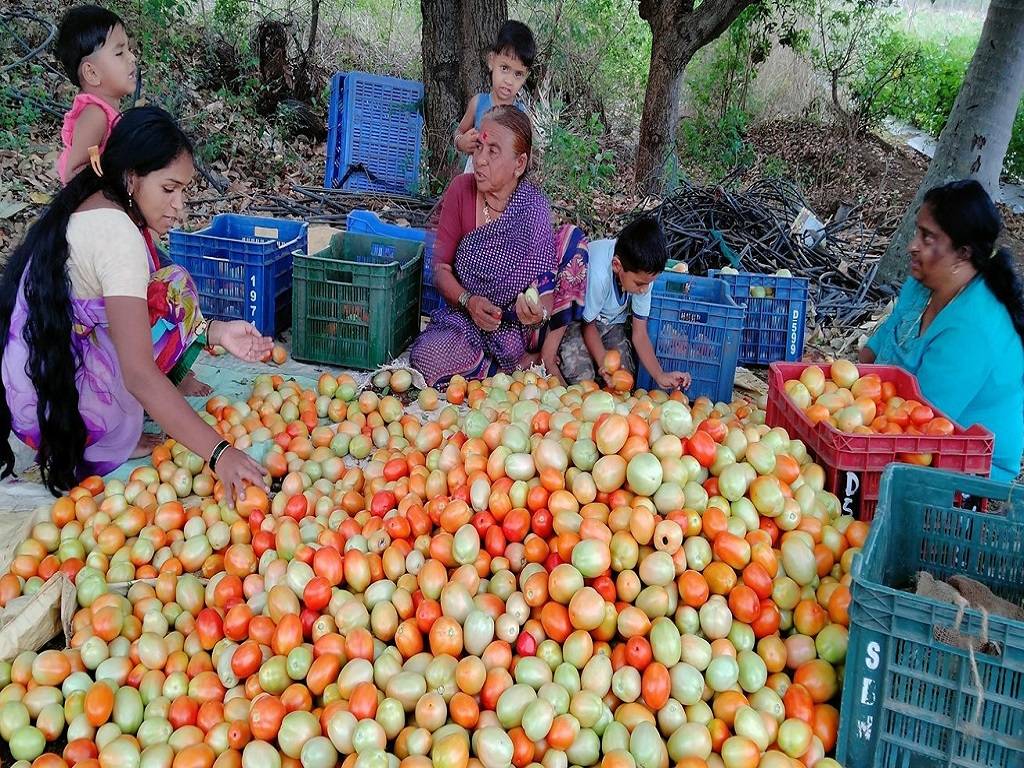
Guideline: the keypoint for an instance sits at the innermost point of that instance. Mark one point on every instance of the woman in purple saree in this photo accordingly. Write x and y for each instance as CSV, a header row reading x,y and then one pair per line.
x,y
93,333
494,241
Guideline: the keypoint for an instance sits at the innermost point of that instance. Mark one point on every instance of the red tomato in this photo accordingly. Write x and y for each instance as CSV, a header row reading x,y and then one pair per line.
x,y
329,564
702,447
209,627
714,427
939,426
382,503
297,507
921,415
767,621
317,593
542,523
744,604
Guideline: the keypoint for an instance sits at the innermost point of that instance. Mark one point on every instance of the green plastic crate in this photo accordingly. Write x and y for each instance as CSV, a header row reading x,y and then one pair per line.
x,y
909,699
356,303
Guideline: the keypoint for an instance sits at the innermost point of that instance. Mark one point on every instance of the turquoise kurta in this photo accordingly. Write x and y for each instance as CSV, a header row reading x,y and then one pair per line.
x,y
969,362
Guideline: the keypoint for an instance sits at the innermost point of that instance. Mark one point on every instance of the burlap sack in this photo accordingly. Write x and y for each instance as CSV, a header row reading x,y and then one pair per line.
x,y
16,524
929,587
29,623
981,598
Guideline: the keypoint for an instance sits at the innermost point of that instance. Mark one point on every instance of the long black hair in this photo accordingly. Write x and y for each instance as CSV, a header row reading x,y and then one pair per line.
x,y
965,212
83,31
144,140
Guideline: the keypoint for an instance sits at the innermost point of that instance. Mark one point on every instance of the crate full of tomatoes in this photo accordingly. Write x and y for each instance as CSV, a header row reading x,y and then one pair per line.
x,y
858,419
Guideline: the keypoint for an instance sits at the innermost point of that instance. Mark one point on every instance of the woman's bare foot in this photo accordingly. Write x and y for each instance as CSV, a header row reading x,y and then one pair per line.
x,y
147,443
192,387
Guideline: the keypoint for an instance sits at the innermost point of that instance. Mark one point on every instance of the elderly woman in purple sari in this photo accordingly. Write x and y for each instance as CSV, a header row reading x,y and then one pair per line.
x,y
494,242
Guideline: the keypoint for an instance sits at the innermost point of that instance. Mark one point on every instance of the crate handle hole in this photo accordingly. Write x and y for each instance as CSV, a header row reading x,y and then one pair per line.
x,y
977,503
339,276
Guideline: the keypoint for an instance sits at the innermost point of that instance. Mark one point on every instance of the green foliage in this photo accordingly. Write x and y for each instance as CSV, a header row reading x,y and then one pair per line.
x,y
923,93
16,121
18,116
575,166
229,16
595,53
712,146
711,143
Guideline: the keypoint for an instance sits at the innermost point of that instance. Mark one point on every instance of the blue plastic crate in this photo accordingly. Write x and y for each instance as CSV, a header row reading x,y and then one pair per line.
x,y
242,266
695,326
374,133
773,325
909,695
369,222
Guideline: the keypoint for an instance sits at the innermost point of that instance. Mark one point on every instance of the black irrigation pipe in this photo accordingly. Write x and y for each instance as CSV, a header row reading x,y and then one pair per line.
x,y
755,224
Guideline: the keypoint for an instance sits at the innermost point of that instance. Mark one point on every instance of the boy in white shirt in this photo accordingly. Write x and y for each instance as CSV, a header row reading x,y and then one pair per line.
x,y
619,278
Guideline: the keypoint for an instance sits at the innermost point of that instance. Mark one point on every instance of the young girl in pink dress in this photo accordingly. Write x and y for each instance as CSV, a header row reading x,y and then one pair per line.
x,y
93,48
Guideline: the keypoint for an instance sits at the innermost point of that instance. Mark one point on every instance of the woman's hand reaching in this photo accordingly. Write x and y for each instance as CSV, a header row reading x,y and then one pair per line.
x,y
236,470
241,339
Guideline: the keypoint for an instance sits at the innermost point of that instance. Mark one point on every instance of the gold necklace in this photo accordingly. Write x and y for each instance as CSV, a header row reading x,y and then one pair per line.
x,y
488,209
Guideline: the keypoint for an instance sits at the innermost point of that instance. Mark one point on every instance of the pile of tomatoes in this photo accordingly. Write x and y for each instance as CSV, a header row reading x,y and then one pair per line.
x,y
862,404
530,575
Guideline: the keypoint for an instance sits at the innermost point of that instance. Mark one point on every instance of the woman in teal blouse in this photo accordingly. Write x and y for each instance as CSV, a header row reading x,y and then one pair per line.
x,y
958,324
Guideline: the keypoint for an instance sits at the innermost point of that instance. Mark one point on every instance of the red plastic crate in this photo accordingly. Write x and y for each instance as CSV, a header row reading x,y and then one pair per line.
x,y
854,463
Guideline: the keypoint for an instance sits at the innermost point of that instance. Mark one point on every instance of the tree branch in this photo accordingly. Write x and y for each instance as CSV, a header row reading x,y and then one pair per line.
x,y
712,17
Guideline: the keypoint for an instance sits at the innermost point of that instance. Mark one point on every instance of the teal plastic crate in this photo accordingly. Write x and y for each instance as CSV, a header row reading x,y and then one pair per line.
x,y
909,699
370,223
356,302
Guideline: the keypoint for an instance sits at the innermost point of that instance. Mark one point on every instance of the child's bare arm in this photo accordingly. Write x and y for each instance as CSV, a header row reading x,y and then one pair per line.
x,y
645,351
466,134
89,131
549,352
595,346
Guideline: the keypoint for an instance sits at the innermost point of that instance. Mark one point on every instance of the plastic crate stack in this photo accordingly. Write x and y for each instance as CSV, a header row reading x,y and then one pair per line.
x,y
775,318
242,267
357,301
695,326
854,462
928,682
369,222
374,134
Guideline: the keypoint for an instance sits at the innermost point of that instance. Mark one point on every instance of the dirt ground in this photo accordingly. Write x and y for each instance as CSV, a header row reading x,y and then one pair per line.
x,y
878,177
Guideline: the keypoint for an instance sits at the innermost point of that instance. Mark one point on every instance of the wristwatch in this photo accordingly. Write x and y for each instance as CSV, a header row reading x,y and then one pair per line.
x,y
464,299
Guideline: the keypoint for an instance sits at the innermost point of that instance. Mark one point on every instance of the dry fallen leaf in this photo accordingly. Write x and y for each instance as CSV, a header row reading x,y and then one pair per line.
x,y
9,208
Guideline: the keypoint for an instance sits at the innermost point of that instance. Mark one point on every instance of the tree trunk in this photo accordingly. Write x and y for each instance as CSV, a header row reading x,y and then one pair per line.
x,y
444,101
974,141
678,31
314,25
481,20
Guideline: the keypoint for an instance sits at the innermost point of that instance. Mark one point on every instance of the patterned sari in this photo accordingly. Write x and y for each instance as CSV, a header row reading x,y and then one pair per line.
x,y
113,417
498,261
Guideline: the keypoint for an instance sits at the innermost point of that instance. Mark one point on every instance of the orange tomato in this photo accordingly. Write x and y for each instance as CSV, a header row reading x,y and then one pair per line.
x,y
99,703
655,685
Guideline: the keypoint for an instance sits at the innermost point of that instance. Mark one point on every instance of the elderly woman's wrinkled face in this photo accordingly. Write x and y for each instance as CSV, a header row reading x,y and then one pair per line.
x,y
932,253
496,164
